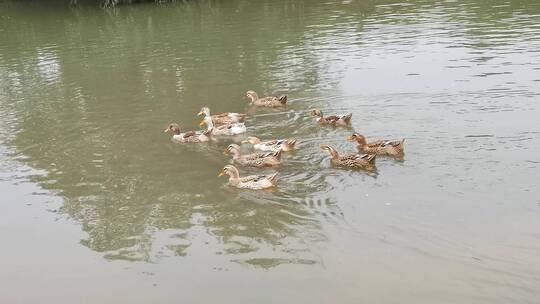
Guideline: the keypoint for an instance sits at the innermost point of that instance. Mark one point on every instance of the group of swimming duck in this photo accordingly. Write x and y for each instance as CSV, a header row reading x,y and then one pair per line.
x,y
269,151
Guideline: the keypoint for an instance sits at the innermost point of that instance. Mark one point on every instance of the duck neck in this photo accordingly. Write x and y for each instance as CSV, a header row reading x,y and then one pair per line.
x,y
234,177
236,154
361,141
333,153
234,181
208,122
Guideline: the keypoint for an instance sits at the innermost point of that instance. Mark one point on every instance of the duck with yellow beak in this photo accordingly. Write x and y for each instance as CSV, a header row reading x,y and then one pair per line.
x,y
353,161
385,147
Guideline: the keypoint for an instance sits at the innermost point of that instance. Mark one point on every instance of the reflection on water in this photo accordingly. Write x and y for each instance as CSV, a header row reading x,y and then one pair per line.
x,y
86,93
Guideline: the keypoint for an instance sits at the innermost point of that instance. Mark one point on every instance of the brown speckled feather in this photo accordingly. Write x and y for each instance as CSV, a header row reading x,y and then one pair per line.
x,y
252,178
267,159
224,118
382,147
356,161
336,120
189,134
271,101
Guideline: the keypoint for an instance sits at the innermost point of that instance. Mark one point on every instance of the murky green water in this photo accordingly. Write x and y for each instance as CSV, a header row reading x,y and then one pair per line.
x,y
98,206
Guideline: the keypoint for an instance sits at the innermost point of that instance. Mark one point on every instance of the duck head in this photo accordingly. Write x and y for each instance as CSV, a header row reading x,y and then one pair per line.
x,y
359,138
316,113
174,128
330,150
229,170
252,95
232,149
205,111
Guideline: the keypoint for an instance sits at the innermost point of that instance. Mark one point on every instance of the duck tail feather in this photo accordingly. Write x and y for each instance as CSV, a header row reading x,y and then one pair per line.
x,y
273,178
277,154
291,142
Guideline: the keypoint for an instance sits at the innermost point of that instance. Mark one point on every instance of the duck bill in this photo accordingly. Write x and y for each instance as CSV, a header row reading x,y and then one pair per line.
x,y
350,138
200,114
221,173
166,130
225,152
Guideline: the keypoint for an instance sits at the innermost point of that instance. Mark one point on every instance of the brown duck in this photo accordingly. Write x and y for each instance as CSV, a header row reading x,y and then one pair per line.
x,y
267,102
271,145
354,161
333,120
255,182
380,147
259,159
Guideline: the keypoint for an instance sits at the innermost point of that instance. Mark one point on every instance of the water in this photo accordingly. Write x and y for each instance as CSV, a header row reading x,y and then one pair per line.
x,y
99,206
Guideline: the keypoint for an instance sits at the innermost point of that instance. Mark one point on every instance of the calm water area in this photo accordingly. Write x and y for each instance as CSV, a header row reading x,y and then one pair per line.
x,y
97,205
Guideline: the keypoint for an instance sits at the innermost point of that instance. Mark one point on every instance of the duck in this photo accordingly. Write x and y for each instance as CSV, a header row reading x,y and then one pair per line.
x,y
187,137
380,147
259,159
333,120
271,145
254,182
227,129
354,161
223,118
267,102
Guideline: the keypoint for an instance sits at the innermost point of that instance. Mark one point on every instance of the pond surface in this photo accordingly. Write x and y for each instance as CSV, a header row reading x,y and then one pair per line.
x,y
99,206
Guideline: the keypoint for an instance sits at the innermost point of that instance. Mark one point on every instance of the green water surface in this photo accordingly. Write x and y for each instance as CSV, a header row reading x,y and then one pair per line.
x,y
97,205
